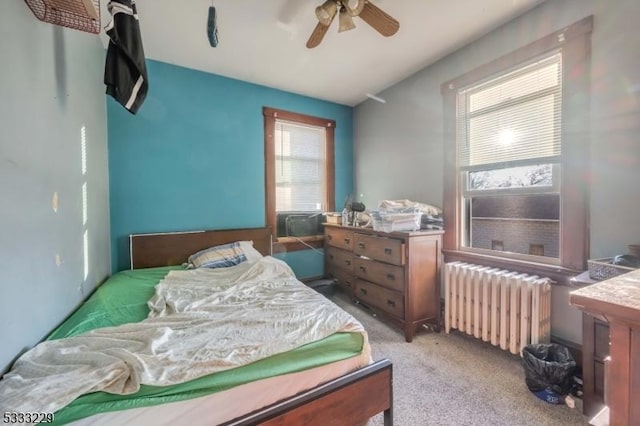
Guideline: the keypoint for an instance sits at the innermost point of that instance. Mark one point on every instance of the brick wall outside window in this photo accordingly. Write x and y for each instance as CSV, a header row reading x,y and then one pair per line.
x,y
517,234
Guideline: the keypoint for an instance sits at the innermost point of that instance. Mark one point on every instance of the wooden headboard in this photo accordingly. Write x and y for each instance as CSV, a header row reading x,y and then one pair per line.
x,y
173,248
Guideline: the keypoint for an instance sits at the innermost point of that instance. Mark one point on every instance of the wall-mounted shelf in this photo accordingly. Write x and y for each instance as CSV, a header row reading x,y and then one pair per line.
x,y
83,15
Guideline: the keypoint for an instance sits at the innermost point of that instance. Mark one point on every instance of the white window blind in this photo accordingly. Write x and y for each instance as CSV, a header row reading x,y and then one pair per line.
x,y
300,167
512,120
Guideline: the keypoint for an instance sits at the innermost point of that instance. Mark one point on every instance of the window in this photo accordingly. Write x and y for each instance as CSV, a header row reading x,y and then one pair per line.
x,y
509,143
516,143
299,169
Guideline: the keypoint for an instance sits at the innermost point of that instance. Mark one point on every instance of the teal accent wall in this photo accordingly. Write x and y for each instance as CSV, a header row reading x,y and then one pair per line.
x,y
193,157
305,263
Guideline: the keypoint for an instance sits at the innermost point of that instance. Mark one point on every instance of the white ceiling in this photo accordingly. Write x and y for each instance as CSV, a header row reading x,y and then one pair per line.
x,y
263,41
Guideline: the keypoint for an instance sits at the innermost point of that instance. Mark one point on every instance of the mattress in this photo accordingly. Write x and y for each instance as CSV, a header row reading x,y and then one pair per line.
x,y
222,407
123,299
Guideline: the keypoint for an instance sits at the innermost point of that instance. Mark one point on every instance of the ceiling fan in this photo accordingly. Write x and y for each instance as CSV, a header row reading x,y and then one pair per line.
x,y
364,9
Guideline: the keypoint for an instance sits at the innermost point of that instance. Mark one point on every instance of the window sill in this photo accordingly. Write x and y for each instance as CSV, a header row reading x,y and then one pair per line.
x,y
559,274
286,244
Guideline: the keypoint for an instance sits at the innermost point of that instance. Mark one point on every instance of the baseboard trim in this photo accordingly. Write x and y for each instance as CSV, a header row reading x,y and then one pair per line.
x,y
307,279
574,348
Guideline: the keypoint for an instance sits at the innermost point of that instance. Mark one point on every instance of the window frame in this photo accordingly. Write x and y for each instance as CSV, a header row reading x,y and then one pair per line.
x,y
284,244
574,42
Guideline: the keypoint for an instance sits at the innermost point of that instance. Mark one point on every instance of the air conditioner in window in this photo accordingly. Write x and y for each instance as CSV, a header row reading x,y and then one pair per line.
x,y
300,224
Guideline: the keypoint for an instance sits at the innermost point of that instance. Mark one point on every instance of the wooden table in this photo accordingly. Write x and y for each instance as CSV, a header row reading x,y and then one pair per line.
x,y
617,300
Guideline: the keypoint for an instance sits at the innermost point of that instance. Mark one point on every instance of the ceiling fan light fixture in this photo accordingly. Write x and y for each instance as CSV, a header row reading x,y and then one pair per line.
x,y
354,11
345,21
326,12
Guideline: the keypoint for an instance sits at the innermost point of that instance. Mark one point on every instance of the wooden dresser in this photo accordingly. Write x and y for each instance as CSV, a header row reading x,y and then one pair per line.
x,y
396,274
617,300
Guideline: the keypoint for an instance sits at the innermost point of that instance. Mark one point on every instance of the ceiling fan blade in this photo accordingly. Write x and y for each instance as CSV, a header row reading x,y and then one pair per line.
x,y
379,20
325,14
317,35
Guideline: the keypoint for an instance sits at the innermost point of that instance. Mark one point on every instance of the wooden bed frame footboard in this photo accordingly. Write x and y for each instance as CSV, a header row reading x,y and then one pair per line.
x,y
351,399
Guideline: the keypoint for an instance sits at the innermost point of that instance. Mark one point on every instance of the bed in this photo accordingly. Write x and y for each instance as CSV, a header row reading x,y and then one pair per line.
x,y
330,380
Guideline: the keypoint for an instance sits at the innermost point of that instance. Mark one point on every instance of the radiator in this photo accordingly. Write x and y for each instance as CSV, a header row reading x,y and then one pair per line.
x,y
507,309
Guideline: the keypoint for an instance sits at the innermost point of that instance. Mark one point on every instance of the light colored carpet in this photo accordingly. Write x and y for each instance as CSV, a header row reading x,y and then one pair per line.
x,y
454,379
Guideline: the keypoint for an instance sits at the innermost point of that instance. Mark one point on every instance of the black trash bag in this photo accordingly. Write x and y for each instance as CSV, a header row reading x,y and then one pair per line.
x,y
548,369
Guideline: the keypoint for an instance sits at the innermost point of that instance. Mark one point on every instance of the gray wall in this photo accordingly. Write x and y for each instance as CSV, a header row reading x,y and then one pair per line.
x,y
50,86
399,145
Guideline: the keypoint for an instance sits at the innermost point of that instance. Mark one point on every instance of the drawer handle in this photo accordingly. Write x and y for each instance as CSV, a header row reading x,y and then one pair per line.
x,y
361,245
348,283
347,262
363,291
331,256
347,240
391,303
329,237
387,250
363,269
391,277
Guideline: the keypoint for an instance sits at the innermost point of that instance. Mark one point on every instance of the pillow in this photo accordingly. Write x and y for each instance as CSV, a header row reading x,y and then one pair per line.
x,y
224,255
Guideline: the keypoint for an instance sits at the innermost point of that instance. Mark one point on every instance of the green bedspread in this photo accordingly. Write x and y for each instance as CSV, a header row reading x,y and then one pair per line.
x,y
123,299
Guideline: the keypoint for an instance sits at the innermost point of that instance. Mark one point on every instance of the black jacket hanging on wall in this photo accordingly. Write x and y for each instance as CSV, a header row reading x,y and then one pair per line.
x,y
125,72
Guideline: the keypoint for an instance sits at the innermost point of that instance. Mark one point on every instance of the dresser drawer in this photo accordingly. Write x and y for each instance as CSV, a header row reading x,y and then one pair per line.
x,y
387,300
339,237
379,248
390,276
339,259
345,278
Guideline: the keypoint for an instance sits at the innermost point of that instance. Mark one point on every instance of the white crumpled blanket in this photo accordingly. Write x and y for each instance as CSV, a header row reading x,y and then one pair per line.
x,y
201,321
